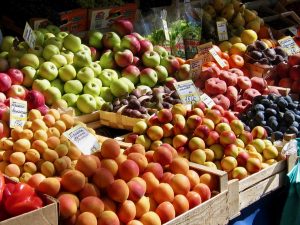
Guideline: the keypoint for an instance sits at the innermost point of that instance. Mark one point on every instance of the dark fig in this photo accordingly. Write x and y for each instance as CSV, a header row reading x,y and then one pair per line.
x,y
166,105
256,55
134,104
137,93
135,113
143,110
124,102
251,48
260,45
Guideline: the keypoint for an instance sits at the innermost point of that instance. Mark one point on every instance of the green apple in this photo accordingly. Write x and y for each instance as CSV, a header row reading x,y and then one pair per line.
x,y
68,55
95,39
37,50
96,67
4,55
67,72
70,98
39,38
81,59
100,101
54,41
52,94
119,88
161,51
83,47
86,103
49,51
53,29
48,71
97,81
151,59
29,59
85,74
48,35
23,45
106,94
148,77
58,84
72,43
107,60
43,30
41,85
59,60
129,84
91,88
162,73
110,40
73,86
17,51
13,61
61,35
7,43
29,76
107,76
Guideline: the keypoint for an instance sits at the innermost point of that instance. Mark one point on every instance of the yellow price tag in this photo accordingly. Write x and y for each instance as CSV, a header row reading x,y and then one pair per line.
x,y
187,91
289,45
18,113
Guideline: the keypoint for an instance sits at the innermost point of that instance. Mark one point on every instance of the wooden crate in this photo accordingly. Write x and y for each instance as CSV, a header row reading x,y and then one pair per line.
x,y
281,90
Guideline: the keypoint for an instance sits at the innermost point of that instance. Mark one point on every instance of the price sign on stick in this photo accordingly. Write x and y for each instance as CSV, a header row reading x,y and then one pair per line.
x,y
207,100
83,139
217,57
18,113
289,45
29,36
222,30
196,66
187,91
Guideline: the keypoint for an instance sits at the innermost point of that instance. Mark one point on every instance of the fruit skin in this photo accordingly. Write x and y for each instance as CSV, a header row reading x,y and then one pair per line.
x,y
122,27
148,77
16,91
151,59
72,43
123,58
48,70
170,63
5,82
86,103
132,73
132,43
253,165
215,86
15,75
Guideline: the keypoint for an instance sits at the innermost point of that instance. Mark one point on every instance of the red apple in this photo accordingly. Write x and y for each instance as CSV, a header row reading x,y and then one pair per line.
x,y
282,69
16,91
242,105
294,59
146,45
171,64
5,82
43,109
122,27
183,73
244,82
131,42
2,97
4,112
15,75
250,94
35,99
295,72
170,82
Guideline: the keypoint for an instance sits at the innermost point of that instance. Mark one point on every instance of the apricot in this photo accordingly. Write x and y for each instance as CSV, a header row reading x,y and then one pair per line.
x,y
134,222
49,186
180,184
111,165
14,133
138,148
49,120
1,155
151,182
153,204
34,114
108,218
67,205
127,211
136,190
163,156
179,165
150,218
26,134
193,178
167,177
156,169
3,165
21,145
74,153
110,149
87,165
25,177
140,160
60,125
53,142
109,205
93,205
53,131
128,169
39,145
203,190
86,218
120,159
165,211
6,155
209,180
89,189
68,120
50,155
55,113
17,158
62,150
7,144
38,124
103,178
40,135
27,125
181,204
140,180
30,167
48,169
12,170
142,206
163,192
118,191
73,181
60,165
35,180
149,155
194,199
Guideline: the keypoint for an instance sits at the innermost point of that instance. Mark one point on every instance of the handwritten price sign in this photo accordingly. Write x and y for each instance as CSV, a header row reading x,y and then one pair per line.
x,y
187,91
289,45
18,113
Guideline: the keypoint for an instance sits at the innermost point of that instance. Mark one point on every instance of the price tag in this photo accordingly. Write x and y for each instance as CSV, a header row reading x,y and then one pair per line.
x,y
83,139
207,100
187,91
29,36
222,30
166,29
18,113
196,66
293,30
203,51
217,57
289,45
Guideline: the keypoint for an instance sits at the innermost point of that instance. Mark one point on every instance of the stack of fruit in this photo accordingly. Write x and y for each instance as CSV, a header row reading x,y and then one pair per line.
x,y
277,114
212,137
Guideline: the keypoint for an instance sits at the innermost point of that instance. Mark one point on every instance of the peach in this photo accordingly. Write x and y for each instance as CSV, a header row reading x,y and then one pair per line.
x,y
210,155
198,156
34,114
136,190
142,206
127,211
242,158
138,148
140,160
196,143
40,146
140,127
35,180
62,150
108,218
180,184
103,178
239,143
167,177
222,127
150,218
218,151
193,177
128,169
92,204
50,155
181,204
179,165
17,158
179,121
209,180
53,131
12,170
155,133
231,150
87,165
111,165
259,145
246,137
151,181
179,109
38,124
228,163
156,169
194,121
227,137
73,181
212,138
202,131
253,165
134,222
203,190
239,173
163,192
209,123
164,116
68,120
21,145
165,211
47,168
49,120
167,140
270,161
67,205
167,129
214,115
179,140
109,204
30,167
155,144
210,164
259,132
86,218
143,140
270,152
163,156
60,125
140,180
49,186
194,199
118,191
153,204
89,189
53,142
26,134
110,148
74,153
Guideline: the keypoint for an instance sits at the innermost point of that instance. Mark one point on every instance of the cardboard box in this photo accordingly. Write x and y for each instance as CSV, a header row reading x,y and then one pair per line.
x,y
43,216
101,18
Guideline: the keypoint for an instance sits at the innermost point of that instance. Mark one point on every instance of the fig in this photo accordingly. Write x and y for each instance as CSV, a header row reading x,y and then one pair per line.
x,y
251,48
134,104
260,45
143,110
124,102
256,55
137,93
135,113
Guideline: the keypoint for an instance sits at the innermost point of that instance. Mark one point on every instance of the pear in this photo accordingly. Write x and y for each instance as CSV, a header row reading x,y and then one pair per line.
x,y
210,10
238,20
249,15
254,25
219,5
236,5
228,12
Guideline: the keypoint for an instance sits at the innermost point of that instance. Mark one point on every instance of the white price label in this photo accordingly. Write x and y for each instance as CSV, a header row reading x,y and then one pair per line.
x,y
217,57
289,45
18,113
203,51
196,67
222,30
207,100
187,91
29,36
83,139
166,30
